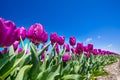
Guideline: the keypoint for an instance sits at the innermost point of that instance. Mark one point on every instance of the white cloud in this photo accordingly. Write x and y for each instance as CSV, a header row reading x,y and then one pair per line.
x,y
88,40
110,45
98,37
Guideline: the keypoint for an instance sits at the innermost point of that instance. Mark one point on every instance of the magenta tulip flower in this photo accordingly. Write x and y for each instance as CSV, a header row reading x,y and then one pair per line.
x,y
65,57
15,45
73,50
53,37
61,40
80,48
95,52
21,32
90,47
57,48
19,50
72,40
44,37
35,32
8,33
66,46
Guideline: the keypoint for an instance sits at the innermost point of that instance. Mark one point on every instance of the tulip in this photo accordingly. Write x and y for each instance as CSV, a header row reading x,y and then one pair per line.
x,y
65,57
19,50
85,48
80,48
22,33
44,37
73,50
15,45
61,40
34,33
66,46
53,37
8,33
95,52
57,48
90,47
72,40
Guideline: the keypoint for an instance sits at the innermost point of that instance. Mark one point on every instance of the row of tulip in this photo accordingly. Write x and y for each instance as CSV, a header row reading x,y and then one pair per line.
x,y
72,61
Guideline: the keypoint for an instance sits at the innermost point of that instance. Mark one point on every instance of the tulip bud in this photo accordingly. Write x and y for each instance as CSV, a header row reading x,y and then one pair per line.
x,y
66,57
66,46
80,48
22,33
61,40
53,37
15,45
44,37
90,47
72,40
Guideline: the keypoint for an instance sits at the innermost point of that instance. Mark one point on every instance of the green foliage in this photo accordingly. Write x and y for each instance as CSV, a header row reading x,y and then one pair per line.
x,y
14,66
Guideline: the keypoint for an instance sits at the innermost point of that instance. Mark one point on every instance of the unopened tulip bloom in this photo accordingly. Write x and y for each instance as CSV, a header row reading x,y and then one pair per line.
x,y
19,50
44,37
21,32
57,48
15,45
90,47
66,57
35,32
72,40
66,46
8,33
86,49
73,50
61,40
80,48
95,52
53,37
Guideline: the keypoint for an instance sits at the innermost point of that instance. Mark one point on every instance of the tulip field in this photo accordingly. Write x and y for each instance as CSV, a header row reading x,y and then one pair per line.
x,y
43,60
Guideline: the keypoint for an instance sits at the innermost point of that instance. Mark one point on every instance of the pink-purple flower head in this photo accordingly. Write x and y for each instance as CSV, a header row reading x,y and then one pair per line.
x,y
8,33
66,57
67,47
21,32
44,37
53,38
61,40
35,32
80,48
72,40
90,47
16,45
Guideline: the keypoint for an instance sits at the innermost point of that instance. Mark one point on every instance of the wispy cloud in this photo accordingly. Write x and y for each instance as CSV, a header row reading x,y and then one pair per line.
x,y
98,37
88,40
109,45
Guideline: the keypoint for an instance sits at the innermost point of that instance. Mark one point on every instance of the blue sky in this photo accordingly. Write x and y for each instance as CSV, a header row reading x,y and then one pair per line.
x,y
91,21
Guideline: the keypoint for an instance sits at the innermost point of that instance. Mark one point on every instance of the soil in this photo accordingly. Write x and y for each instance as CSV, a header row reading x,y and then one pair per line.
x,y
113,70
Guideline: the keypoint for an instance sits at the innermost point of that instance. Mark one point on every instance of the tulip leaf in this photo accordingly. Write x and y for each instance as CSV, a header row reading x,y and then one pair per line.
x,y
22,72
35,70
73,77
43,49
3,61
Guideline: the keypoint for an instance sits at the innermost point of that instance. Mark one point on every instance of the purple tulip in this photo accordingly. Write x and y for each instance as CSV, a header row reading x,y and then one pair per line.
x,y
65,57
53,37
73,50
61,40
8,33
90,47
86,49
66,46
21,32
72,40
19,50
57,48
80,48
95,52
35,32
44,37
15,45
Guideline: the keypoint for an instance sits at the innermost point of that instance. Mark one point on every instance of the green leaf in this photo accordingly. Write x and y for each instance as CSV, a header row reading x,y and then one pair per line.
x,y
43,49
35,70
73,77
3,61
22,72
